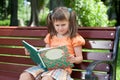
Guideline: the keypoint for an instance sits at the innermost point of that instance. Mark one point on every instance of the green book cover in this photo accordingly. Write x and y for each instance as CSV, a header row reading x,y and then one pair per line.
x,y
49,58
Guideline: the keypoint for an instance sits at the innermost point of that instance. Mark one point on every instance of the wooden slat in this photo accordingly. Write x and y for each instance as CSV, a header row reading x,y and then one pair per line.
x,y
95,44
18,42
98,44
12,51
22,28
105,33
23,32
96,56
12,59
12,68
15,76
83,65
101,76
86,56
9,76
19,69
101,67
97,34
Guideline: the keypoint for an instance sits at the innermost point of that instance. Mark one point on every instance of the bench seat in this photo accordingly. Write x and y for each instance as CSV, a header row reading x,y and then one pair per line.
x,y
99,53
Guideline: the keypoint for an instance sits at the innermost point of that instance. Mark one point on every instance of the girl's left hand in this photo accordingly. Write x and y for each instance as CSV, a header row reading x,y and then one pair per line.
x,y
71,59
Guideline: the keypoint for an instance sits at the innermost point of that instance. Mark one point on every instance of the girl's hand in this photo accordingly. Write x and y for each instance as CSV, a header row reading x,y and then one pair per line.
x,y
71,59
26,52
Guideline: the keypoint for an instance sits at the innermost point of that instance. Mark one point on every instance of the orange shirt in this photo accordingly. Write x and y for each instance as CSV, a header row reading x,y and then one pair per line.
x,y
70,43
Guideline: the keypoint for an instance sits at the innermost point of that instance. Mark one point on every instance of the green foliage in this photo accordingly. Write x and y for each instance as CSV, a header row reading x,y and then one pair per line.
x,y
43,15
91,13
69,3
118,65
4,22
112,23
3,11
23,12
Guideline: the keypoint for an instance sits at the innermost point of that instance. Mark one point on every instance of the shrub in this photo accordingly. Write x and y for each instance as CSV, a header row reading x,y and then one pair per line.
x,y
4,22
91,13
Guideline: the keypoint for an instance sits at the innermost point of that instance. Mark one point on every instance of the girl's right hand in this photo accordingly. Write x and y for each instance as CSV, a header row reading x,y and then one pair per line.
x,y
26,52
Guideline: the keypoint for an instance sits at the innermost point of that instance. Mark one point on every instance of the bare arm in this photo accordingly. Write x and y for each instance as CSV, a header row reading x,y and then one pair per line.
x,y
47,45
78,55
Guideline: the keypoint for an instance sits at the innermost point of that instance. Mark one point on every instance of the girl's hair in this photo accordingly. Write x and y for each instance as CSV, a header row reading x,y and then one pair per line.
x,y
62,13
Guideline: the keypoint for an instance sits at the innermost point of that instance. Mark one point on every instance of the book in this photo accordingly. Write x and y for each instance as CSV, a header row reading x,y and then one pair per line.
x,y
49,58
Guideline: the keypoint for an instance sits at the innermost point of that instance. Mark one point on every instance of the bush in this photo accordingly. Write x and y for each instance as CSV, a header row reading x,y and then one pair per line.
x,y
91,13
4,22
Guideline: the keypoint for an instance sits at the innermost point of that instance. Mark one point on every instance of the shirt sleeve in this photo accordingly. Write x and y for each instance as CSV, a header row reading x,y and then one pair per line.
x,y
47,39
78,41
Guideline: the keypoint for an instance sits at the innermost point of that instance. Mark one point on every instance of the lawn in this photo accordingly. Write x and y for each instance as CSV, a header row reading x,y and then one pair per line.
x,y
118,65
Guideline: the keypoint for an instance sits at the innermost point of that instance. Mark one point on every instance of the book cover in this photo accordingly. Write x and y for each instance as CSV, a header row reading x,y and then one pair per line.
x,y
49,58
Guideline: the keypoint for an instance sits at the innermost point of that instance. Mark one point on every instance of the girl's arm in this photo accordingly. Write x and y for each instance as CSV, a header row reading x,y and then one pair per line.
x,y
26,52
47,45
78,55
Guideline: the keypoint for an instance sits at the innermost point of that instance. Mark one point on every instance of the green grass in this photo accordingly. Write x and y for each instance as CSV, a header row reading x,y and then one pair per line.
x,y
118,65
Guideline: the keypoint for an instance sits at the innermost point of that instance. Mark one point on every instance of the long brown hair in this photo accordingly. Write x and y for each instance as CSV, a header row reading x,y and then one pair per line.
x,y
62,13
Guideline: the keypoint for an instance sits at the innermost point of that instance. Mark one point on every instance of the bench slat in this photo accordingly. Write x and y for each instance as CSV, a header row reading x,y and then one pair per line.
x,y
86,56
101,76
97,34
95,44
18,42
96,56
8,76
12,59
90,33
98,44
16,68
28,33
12,51
101,67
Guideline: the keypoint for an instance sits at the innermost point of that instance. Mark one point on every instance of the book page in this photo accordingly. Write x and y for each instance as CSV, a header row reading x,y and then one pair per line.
x,y
56,58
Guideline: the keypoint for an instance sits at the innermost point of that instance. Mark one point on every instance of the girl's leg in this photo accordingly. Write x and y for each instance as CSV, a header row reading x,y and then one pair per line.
x,y
26,76
47,78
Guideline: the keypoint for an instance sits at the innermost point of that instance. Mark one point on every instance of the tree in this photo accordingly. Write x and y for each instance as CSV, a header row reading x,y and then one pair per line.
x,y
56,3
113,10
117,10
13,12
3,11
36,6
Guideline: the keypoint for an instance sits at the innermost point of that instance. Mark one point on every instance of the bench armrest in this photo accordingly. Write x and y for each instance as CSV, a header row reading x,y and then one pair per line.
x,y
89,71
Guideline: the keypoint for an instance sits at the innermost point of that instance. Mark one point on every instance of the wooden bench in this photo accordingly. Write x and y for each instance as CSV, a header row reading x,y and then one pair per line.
x,y
100,50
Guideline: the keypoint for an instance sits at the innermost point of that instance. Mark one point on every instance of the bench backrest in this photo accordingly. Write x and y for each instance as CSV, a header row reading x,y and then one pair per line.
x,y
100,44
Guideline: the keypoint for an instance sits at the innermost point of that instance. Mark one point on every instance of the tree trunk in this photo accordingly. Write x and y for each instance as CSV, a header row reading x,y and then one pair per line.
x,y
14,15
117,9
55,3
34,21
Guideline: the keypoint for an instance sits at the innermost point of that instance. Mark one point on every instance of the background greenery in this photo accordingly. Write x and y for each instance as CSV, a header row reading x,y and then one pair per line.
x,y
91,13
118,65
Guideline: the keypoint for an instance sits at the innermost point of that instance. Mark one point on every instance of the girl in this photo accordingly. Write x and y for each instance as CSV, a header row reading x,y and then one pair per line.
x,y
62,28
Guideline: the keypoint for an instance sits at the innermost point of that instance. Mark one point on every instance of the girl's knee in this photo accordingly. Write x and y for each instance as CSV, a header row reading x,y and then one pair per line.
x,y
26,76
47,78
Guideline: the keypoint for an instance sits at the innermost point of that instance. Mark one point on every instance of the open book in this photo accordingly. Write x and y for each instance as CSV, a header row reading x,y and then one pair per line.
x,y
49,58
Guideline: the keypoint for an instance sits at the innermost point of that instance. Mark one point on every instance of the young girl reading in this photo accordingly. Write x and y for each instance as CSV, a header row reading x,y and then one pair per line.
x,y
62,30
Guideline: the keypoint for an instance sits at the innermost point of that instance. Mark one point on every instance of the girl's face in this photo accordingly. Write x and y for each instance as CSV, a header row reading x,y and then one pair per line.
x,y
61,26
